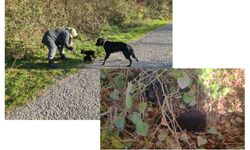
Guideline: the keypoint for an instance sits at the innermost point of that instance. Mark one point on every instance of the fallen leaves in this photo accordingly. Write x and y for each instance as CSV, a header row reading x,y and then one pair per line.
x,y
184,80
135,118
201,140
184,137
161,137
142,128
164,121
117,143
213,130
119,122
142,107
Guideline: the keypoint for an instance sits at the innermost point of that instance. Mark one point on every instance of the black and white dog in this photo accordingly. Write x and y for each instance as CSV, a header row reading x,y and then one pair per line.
x,y
112,47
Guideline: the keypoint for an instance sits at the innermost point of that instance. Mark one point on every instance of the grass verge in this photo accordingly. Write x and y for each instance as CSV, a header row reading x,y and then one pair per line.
x,y
28,78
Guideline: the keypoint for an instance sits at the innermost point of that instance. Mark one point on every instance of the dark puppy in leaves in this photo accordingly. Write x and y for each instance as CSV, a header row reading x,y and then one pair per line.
x,y
112,47
90,55
190,121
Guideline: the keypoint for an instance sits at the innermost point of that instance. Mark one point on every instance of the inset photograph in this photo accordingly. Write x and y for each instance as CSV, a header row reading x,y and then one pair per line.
x,y
52,49
172,109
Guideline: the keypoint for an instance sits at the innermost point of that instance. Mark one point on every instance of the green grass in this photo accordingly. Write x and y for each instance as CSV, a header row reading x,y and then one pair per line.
x,y
28,78
126,35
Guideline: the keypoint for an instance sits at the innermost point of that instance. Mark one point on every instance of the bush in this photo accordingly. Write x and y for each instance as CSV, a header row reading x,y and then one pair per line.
x,y
26,20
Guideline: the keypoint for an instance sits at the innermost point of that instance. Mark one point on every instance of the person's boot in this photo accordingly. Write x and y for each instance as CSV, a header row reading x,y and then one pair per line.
x,y
52,65
63,57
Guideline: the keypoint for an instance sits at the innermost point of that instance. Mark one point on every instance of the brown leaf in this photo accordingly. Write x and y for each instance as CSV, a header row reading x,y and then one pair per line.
x,y
232,120
239,120
227,125
164,121
170,142
150,145
201,140
182,106
161,137
184,137
150,109
220,136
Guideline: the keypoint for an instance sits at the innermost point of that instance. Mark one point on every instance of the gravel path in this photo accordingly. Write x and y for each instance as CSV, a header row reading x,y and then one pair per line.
x,y
75,97
154,50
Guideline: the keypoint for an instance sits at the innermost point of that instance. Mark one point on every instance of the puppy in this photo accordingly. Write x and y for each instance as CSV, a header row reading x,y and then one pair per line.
x,y
112,47
190,121
154,92
88,53
88,59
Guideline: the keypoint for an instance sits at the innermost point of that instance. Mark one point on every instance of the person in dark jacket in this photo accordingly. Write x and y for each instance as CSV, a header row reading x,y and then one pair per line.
x,y
58,39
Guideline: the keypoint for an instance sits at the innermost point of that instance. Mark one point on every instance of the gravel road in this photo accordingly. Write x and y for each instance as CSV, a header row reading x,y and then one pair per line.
x,y
154,50
73,98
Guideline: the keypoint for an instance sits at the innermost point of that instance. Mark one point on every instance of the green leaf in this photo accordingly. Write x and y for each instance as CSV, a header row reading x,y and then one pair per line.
x,y
172,89
119,122
230,109
142,128
214,95
187,98
183,81
225,91
192,103
120,81
215,87
136,117
114,94
142,107
104,135
116,143
213,130
103,76
129,101
201,140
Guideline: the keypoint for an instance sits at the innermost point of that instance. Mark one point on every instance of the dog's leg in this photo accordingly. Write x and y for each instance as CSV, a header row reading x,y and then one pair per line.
x,y
106,57
94,56
133,55
130,62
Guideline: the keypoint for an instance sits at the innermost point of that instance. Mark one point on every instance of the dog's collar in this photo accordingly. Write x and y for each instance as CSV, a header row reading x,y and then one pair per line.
x,y
104,42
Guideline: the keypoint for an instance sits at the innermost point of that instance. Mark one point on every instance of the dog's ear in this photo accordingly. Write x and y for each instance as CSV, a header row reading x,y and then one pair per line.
x,y
101,40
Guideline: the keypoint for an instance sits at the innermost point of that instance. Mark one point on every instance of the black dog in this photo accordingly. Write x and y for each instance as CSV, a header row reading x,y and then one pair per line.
x,y
111,47
191,121
153,92
88,59
90,55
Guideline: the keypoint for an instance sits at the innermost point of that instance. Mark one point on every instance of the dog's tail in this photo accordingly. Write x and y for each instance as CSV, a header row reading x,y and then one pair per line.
x,y
133,55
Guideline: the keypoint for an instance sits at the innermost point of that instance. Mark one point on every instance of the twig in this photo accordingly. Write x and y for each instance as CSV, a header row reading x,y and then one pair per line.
x,y
105,113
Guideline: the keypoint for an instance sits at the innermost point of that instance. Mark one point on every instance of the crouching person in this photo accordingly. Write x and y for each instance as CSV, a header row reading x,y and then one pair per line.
x,y
58,39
